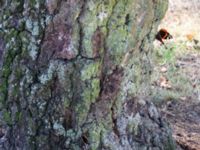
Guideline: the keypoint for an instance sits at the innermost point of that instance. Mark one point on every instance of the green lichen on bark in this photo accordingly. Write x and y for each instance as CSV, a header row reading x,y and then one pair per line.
x,y
9,57
71,70
95,15
14,73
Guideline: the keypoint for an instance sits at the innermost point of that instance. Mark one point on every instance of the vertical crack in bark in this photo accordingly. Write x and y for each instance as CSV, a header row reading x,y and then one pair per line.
x,y
72,124
114,120
105,53
111,86
41,41
81,34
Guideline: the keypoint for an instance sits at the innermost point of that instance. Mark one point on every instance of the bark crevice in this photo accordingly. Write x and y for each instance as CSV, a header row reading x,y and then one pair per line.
x,y
63,84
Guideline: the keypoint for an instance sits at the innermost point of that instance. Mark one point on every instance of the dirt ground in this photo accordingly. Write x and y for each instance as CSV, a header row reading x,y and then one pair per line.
x,y
176,77
184,113
184,117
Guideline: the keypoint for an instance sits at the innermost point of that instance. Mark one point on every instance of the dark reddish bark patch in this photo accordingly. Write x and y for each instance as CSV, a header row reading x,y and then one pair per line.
x,y
97,42
51,5
69,118
2,3
111,84
132,106
2,48
57,42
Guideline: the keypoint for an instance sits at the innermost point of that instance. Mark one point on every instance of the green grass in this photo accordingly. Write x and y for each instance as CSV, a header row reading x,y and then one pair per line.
x,y
169,53
180,81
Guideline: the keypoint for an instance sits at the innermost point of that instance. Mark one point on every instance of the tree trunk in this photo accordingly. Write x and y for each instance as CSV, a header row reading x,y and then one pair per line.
x,y
74,75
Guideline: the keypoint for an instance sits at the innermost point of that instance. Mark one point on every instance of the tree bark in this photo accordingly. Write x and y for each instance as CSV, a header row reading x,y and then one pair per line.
x,y
74,74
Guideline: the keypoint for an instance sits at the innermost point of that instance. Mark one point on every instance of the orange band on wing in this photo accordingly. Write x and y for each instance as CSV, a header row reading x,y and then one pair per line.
x,y
165,36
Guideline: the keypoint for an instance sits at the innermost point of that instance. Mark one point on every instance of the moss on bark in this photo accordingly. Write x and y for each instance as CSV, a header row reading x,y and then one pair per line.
x,y
71,70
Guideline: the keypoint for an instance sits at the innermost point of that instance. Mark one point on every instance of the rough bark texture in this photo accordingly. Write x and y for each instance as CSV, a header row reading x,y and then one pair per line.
x,y
72,74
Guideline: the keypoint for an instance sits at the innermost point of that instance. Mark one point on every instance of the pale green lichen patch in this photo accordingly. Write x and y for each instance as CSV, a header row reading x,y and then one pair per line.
x,y
91,93
32,26
29,24
91,70
90,89
96,15
134,123
94,136
81,110
118,44
119,25
47,76
89,96
35,30
33,50
71,133
7,117
59,129
12,47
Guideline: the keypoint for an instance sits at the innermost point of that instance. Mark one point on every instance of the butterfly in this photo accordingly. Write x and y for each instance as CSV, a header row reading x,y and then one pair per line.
x,y
163,34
